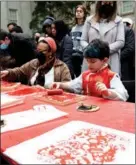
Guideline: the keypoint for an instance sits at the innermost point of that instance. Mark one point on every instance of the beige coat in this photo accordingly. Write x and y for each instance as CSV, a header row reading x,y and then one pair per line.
x,y
113,33
27,71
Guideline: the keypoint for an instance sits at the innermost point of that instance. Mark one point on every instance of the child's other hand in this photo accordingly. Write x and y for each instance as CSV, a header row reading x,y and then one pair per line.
x,y
102,88
55,85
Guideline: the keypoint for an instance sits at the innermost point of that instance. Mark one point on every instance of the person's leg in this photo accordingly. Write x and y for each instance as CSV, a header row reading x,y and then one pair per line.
x,y
77,64
132,73
78,67
130,87
125,73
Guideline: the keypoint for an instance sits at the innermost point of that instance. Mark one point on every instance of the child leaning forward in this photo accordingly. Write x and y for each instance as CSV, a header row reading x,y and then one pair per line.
x,y
98,80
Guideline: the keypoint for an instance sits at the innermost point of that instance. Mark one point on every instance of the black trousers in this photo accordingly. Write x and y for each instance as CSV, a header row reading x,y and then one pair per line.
x,y
130,87
77,64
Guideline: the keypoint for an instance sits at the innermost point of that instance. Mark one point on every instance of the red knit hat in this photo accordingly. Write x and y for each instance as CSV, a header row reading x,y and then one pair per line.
x,y
50,42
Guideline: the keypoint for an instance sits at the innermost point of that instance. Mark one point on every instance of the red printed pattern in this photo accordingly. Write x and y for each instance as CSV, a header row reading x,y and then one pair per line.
x,y
26,91
87,146
7,84
64,99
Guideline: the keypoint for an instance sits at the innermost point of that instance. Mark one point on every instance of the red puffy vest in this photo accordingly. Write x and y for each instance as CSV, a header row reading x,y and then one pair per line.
x,y
89,81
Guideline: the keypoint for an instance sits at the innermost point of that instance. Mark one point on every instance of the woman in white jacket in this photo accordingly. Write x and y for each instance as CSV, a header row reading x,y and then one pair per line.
x,y
107,26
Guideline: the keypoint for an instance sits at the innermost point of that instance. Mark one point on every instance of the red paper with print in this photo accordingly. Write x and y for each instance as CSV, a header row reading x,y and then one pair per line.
x,y
77,142
26,91
62,99
9,86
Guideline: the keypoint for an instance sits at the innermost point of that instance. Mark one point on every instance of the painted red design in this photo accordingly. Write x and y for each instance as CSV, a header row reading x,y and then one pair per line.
x,y
26,91
64,99
7,84
88,146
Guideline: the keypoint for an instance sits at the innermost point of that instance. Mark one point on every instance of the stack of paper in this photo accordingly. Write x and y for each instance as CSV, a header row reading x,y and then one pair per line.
x,y
7,101
40,114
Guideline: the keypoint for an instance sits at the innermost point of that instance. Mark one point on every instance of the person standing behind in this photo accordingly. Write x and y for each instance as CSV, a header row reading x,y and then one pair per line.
x,y
47,26
61,34
128,52
36,37
11,25
16,29
128,22
107,26
76,32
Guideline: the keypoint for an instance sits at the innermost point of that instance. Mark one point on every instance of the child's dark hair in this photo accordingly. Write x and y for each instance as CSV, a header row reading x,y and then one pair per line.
x,y
97,49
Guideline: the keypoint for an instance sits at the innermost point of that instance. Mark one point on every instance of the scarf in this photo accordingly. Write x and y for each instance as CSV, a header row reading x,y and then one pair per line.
x,y
43,69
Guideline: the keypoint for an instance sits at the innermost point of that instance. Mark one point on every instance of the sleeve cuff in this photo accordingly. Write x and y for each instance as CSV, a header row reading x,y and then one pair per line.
x,y
118,96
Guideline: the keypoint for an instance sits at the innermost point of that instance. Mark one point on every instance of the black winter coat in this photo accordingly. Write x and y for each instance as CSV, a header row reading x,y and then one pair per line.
x,y
128,55
64,52
22,48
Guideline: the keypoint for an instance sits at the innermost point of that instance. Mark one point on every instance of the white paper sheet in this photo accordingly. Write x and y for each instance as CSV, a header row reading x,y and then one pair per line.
x,y
8,101
30,117
69,144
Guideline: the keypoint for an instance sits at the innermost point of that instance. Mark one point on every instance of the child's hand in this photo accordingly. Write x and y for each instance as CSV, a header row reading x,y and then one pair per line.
x,y
55,85
102,88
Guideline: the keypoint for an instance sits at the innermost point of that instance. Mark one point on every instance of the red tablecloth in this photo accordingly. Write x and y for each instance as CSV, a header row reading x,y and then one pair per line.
x,y
113,114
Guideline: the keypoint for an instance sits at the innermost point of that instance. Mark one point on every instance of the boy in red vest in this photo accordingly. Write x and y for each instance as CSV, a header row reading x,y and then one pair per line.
x,y
98,80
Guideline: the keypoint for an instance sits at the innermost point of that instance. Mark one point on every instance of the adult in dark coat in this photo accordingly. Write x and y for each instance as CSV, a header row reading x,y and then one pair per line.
x,y
61,34
11,25
19,46
128,55
46,28
16,29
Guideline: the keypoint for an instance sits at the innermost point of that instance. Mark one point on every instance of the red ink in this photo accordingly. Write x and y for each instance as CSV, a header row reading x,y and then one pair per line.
x,y
54,85
26,91
85,147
